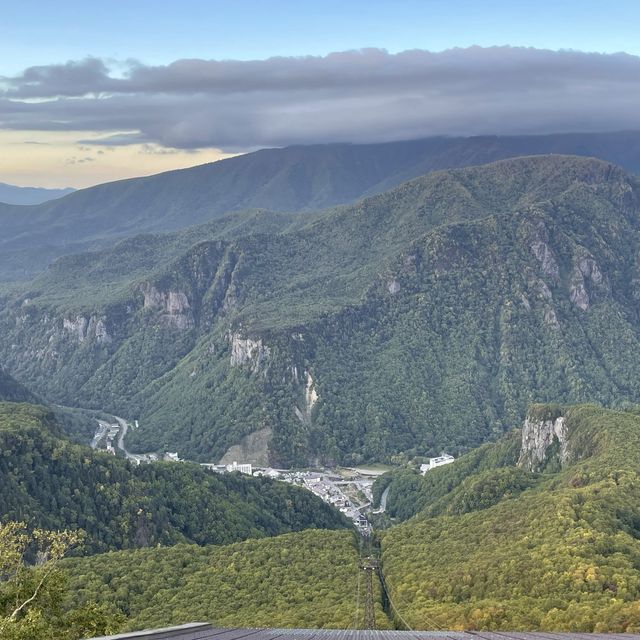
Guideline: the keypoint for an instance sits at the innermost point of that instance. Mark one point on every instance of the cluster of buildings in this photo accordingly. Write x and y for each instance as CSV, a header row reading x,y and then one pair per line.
x,y
351,496
247,468
351,493
106,433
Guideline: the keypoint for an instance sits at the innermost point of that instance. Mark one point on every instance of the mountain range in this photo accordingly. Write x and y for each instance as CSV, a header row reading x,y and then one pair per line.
x,y
337,304
424,318
294,179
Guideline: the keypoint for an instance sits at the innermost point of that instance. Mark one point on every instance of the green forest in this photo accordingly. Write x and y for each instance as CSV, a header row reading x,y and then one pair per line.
x,y
427,317
503,548
49,482
307,579
434,316
487,545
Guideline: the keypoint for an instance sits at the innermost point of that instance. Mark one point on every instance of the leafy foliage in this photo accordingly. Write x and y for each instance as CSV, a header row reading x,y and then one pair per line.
x,y
52,483
31,595
306,579
513,550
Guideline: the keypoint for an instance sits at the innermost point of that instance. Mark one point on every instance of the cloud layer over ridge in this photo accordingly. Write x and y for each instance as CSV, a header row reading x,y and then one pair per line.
x,y
358,96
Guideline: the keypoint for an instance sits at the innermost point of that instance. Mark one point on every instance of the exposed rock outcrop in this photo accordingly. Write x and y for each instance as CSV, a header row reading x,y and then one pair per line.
x,y
253,448
310,394
525,302
174,306
542,251
310,400
585,268
542,438
544,291
551,319
393,286
82,328
248,352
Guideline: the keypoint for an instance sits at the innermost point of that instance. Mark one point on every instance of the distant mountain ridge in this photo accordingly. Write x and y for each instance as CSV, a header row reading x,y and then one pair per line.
x,y
293,179
10,194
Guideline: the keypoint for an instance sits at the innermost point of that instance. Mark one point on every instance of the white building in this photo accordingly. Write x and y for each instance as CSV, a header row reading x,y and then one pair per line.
x,y
242,468
267,473
443,459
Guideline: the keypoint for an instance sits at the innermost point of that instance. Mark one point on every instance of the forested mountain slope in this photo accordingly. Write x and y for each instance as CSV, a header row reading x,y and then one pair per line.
x,y
424,318
12,391
539,531
52,483
307,579
294,179
547,539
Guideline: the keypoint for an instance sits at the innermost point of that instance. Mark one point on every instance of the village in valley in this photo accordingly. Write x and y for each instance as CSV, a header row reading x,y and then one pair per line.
x,y
348,489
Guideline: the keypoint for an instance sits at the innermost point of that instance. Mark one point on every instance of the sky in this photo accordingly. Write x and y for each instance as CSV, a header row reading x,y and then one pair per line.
x,y
91,92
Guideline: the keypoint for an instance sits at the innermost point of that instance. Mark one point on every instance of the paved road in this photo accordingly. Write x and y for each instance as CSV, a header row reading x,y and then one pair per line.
x,y
123,432
124,426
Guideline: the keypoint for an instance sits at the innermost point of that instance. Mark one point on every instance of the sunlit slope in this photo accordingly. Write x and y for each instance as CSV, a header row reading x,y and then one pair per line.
x,y
507,548
304,580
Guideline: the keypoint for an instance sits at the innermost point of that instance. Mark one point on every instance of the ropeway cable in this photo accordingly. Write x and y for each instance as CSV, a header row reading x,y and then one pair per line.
x,y
429,621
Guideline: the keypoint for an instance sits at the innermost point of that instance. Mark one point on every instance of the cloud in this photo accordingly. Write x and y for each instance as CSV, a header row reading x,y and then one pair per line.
x,y
359,96
147,149
76,160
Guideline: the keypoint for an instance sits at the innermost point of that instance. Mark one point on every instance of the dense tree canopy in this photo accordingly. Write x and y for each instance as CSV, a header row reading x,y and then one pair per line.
x,y
306,579
50,482
505,548
424,318
31,595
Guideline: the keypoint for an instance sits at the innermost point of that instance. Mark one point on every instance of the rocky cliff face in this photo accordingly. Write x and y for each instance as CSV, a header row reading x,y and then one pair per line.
x,y
541,440
427,316
83,328
310,400
586,272
246,352
543,252
174,306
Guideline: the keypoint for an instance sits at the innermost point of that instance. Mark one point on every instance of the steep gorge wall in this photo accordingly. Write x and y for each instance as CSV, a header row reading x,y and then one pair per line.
x,y
543,439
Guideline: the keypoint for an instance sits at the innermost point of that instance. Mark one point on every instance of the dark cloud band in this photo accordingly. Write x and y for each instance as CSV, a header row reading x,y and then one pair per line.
x,y
359,96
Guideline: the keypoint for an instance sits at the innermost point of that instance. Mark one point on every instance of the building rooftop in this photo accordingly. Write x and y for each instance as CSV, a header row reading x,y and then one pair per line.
x,y
202,631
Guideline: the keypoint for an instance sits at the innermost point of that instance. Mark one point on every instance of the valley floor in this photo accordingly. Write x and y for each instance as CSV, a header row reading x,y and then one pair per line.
x,y
347,489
